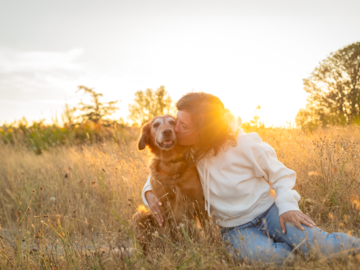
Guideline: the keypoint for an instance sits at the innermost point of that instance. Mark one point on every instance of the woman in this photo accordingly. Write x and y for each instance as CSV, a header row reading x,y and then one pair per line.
x,y
238,173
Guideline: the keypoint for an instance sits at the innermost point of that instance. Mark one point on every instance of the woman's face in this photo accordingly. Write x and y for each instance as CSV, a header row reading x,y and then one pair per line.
x,y
185,129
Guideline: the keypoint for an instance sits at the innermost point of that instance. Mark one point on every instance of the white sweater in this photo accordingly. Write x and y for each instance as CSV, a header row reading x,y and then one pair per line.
x,y
239,182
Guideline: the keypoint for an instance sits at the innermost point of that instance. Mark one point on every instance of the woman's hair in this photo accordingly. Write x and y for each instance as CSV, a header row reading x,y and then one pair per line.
x,y
211,119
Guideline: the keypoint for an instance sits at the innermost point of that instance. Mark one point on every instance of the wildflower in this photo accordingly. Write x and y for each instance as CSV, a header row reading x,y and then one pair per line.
x,y
52,199
331,216
33,191
355,204
315,173
345,217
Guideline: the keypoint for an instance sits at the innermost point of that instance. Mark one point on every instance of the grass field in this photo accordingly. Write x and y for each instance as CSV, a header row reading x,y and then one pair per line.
x,y
69,207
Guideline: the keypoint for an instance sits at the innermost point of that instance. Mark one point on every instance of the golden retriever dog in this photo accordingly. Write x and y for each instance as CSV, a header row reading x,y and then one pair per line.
x,y
174,181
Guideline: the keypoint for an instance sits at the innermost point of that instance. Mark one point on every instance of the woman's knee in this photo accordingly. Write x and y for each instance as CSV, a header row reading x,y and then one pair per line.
x,y
338,243
320,243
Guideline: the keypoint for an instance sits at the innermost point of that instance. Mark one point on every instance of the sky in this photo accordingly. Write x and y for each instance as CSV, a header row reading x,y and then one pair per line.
x,y
248,53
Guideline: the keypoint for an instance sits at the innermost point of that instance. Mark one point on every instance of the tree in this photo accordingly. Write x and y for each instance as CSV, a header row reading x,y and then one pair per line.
x,y
255,123
148,104
96,111
334,90
307,119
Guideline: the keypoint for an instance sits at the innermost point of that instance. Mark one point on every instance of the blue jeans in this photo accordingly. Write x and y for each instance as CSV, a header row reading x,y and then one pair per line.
x,y
262,240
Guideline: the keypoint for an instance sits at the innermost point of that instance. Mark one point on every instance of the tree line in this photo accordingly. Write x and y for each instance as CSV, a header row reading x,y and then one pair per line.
x,y
147,104
333,91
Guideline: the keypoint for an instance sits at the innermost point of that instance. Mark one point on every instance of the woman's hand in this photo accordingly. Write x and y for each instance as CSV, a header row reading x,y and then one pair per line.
x,y
297,218
154,204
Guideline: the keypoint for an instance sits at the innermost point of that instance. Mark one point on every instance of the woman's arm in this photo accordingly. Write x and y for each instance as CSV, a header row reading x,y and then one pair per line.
x,y
282,180
150,200
147,187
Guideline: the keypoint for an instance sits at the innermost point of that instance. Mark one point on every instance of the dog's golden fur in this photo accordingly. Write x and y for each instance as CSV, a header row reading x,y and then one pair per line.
x,y
174,182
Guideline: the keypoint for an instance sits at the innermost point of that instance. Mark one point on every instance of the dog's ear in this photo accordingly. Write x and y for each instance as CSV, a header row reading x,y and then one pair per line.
x,y
145,137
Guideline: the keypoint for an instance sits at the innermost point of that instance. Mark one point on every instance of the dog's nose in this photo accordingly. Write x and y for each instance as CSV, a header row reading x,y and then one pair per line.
x,y
167,132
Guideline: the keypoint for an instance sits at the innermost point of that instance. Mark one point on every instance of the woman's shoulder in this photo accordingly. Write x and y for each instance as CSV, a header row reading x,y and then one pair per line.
x,y
246,144
251,142
247,138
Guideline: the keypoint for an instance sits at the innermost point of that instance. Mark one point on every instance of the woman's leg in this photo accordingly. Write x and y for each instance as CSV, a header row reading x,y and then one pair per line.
x,y
249,244
311,240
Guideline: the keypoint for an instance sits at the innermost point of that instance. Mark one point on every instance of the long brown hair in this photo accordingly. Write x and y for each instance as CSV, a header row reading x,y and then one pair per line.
x,y
210,117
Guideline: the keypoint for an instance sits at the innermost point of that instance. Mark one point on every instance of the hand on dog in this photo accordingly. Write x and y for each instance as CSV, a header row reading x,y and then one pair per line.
x,y
154,204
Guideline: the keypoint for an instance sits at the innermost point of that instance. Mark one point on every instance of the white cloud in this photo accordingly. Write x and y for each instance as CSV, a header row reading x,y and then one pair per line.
x,y
34,78
44,75
19,62
37,84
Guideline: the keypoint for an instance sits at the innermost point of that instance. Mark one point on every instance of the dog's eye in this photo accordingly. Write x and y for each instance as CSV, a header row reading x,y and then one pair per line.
x,y
172,122
156,125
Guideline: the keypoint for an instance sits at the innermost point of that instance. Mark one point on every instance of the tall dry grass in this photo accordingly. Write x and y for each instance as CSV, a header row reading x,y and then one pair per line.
x,y
69,208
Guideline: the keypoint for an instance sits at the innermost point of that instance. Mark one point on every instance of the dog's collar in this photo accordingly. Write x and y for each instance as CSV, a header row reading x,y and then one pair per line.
x,y
185,157
179,159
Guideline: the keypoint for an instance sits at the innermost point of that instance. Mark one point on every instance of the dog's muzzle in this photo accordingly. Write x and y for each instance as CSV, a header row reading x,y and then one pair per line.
x,y
168,139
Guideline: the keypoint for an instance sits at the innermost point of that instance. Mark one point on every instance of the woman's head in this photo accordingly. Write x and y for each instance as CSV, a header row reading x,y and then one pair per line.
x,y
203,122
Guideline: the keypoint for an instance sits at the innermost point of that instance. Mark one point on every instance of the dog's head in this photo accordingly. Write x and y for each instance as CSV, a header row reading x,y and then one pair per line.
x,y
159,132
